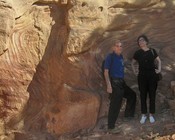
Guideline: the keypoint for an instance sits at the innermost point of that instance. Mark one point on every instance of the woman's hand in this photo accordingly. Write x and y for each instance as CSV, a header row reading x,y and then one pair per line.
x,y
135,67
157,70
136,72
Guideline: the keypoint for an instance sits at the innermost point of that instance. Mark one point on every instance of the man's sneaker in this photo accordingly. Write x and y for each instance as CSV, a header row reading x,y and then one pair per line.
x,y
114,131
143,119
151,119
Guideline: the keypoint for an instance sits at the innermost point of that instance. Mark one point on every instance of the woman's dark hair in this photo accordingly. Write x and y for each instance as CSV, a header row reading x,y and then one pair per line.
x,y
144,37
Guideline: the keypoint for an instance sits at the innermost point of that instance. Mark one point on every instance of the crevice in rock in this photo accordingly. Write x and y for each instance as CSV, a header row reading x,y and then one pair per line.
x,y
84,4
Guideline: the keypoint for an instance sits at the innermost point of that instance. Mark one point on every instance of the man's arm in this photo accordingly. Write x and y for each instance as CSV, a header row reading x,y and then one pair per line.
x,y
108,82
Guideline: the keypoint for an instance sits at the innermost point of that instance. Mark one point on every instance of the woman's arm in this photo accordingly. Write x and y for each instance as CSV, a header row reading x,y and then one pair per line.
x,y
158,70
134,65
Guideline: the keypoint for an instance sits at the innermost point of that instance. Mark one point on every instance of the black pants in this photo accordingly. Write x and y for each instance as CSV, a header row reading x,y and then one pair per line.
x,y
120,90
147,86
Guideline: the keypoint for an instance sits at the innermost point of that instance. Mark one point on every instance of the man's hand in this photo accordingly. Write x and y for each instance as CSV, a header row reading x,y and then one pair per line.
x,y
108,83
109,89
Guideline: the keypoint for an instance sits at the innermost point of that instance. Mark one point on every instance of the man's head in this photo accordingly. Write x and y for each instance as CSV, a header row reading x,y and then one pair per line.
x,y
117,47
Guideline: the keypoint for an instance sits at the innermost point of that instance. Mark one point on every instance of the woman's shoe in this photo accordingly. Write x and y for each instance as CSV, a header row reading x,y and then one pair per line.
x,y
143,119
151,119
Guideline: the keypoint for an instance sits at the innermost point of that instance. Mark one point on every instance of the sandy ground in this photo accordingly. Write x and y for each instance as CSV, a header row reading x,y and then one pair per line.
x,y
133,130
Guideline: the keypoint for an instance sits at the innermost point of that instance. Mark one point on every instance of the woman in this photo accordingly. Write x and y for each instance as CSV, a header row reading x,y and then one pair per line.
x,y
146,73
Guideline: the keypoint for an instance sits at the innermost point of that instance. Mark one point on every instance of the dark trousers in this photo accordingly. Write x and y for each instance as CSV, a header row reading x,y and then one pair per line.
x,y
120,90
147,86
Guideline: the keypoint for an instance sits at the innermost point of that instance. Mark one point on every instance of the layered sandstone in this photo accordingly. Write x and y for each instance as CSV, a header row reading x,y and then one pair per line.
x,y
51,53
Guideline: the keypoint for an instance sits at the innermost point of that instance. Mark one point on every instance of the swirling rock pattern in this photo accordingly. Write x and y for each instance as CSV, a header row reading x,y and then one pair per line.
x,y
51,53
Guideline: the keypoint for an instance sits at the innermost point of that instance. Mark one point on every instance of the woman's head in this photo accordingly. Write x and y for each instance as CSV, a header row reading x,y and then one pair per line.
x,y
142,40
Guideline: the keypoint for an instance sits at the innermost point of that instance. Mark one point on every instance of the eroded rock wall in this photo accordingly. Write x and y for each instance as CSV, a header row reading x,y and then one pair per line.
x,y
51,54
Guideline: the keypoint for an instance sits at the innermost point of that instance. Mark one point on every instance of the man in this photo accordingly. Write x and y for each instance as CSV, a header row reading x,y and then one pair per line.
x,y
116,87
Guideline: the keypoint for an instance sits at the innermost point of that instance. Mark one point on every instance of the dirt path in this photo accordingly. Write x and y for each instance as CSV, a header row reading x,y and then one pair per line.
x,y
133,130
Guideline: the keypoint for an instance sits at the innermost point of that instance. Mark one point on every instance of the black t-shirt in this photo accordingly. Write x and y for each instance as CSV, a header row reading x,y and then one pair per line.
x,y
146,60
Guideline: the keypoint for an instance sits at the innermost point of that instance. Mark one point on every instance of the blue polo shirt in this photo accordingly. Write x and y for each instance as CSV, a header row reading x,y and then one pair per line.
x,y
114,63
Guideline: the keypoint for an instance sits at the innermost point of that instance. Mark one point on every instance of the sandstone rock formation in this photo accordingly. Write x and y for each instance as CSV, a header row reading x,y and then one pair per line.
x,y
51,53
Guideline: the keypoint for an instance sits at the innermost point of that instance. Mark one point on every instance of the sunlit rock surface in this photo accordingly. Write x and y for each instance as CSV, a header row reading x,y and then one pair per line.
x,y
50,60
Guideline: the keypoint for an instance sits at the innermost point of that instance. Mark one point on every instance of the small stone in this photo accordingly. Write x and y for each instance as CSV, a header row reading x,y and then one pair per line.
x,y
173,136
